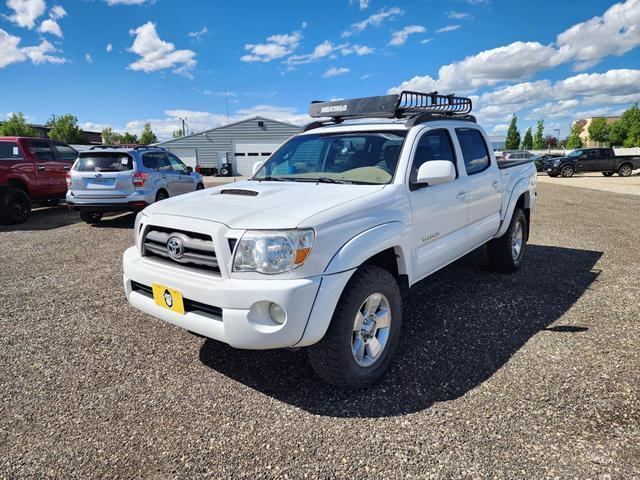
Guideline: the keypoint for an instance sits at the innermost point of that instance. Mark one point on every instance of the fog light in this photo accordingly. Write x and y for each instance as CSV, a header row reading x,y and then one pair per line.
x,y
277,313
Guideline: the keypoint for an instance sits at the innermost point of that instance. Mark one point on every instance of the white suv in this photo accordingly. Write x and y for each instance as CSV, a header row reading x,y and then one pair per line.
x,y
320,246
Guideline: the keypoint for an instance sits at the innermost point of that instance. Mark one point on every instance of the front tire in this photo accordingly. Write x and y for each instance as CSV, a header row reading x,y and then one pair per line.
x,y
91,217
625,170
364,331
200,187
567,171
506,253
15,206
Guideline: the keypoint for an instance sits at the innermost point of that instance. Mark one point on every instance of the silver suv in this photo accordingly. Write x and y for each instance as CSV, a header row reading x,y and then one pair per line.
x,y
111,179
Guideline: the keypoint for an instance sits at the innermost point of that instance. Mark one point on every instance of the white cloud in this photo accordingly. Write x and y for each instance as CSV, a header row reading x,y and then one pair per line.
x,y
57,12
616,32
11,52
109,48
359,50
612,82
197,36
363,4
554,110
276,46
335,71
500,128
26,12
373,20
449,28
156,54
426,40
458,15
321,50
87,58
125,2
50,26
400,37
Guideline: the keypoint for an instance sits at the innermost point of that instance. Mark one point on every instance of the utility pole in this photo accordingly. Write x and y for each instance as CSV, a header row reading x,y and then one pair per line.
x,y
558,136
183,130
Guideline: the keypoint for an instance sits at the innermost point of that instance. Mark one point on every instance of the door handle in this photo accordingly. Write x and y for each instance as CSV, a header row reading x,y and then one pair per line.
x,y
462,195
495,184
41,167
66,168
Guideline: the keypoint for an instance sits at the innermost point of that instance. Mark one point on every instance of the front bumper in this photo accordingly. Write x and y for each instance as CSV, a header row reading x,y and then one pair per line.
x,y
244,321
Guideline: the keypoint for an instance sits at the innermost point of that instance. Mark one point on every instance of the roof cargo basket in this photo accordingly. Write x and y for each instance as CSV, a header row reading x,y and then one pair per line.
x,y
418,106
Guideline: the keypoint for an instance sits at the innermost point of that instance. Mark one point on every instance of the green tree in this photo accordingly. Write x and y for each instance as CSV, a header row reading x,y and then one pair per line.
x,y
625,131
128,138
599,130
550,141
148,136
633,136
574,140
513,135
16,126
527,141
538,141
177,133
109,137
66,129
617,134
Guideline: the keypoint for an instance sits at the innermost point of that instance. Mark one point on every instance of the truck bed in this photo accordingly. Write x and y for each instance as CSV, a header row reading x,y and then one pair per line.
x,y
502,164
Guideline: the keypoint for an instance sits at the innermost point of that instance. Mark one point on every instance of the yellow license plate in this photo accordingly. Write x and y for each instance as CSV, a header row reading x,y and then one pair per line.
x,y
168,298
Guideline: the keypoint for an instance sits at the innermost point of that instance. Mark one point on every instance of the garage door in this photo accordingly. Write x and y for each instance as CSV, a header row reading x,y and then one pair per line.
x,y
246,154
189,156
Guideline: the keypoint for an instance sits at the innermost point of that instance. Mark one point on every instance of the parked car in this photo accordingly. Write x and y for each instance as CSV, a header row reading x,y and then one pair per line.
x,y
539,160
320,246
110,179
32,170
592,160
517,154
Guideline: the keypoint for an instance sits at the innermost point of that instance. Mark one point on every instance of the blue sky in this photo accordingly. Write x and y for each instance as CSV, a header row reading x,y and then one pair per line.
x,y
121,63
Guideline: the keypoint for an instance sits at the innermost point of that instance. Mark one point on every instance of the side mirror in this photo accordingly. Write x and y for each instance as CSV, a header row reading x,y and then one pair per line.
x,y
256,167
436,172
190,169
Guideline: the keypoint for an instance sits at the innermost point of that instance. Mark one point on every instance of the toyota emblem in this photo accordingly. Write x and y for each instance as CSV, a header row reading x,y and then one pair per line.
x,y
175,248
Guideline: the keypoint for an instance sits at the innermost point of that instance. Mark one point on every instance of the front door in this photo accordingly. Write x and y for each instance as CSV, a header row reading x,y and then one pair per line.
x,y
51,173
184,182
439,212
588,161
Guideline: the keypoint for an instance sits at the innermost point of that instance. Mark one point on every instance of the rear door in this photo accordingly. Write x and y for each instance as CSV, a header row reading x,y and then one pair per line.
x,y
483,186
439,212
50,171
606,160
102,176
159,162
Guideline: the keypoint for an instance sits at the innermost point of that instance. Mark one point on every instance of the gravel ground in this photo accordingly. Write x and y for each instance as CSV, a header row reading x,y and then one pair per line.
x,y
595,181
534,375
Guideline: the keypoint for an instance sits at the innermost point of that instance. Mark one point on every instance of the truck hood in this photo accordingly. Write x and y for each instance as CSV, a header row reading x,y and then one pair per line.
x,y
261,205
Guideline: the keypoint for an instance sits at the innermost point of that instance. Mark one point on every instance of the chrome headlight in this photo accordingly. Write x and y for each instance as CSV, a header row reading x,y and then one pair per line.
x,y
556,162
136,226
272,251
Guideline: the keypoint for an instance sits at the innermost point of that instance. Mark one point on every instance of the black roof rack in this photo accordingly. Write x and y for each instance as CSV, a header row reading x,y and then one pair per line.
x,y
419,107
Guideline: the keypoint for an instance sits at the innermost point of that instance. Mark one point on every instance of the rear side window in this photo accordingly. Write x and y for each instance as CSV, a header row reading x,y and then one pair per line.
x,y
42,150
65,152
104,162
474,150
156,161
10,151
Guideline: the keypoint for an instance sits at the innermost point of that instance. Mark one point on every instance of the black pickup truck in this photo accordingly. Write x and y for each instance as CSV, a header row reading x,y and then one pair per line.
x,y
592,160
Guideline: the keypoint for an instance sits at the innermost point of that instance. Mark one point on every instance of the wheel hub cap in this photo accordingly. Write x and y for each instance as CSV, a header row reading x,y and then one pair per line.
x,y
517,240
371,330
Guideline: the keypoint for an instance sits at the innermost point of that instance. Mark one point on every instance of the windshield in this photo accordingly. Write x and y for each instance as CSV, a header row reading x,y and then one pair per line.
x,y
575,153
358,158
104,162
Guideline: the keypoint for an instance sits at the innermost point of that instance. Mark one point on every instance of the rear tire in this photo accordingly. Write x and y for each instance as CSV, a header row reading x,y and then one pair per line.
x,y
200,187
365,328
161,195
607,174
91,217
625,170
15,206
567,171
506,253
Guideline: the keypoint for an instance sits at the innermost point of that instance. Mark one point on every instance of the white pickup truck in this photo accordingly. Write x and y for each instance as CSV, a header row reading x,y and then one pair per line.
x,y
319,248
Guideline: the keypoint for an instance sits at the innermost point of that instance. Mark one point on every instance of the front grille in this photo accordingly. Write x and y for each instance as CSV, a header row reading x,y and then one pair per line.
x,y
198,250
189,305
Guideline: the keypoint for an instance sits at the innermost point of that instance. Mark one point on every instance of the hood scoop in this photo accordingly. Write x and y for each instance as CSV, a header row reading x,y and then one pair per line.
x,y
239,191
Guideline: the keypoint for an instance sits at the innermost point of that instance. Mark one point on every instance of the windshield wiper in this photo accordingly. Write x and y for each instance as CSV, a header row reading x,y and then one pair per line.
x,y
269,178
321,180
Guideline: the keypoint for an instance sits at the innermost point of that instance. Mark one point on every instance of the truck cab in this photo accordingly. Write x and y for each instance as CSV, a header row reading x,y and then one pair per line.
x,y
319,248
32,170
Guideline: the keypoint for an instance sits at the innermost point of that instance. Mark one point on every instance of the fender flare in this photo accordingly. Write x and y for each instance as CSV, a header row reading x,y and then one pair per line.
x,y
368,243
521,187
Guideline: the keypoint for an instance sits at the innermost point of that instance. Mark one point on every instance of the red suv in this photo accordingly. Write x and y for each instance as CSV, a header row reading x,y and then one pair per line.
x,y
31,170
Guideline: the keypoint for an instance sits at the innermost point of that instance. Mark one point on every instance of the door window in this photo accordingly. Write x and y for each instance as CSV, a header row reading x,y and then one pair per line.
x,y
157,161
176,164
42,150
605,152
433,145
10,151
65,152
474,150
